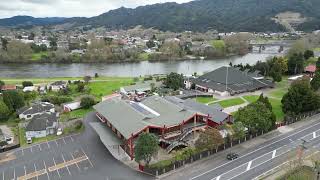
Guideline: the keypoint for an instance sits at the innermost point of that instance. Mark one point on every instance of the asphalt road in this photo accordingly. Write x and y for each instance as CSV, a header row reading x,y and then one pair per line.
x,y
260,158
81,157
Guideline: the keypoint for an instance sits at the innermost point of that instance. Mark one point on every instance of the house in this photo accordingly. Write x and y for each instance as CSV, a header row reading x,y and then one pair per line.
x,y
8,87
310,70
58,85
140,88
68,107
36,109
42,125
169,118
226,81
29,89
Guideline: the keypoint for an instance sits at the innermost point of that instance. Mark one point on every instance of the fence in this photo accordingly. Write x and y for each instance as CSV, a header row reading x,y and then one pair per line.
x,y
197,156
290,119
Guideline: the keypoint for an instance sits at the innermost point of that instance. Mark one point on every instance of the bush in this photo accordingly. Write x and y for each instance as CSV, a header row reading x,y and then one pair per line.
x,y
78,125
27,83
87,102
58,100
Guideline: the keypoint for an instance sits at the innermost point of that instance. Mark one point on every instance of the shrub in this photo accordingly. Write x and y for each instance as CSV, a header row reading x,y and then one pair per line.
x,y
87,102
27,83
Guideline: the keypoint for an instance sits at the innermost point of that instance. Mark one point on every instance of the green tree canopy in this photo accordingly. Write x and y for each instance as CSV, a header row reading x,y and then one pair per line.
x,y
146,147
27,83
256,117
300,98
209,139
238,130
265,101
315,82
87,102
174,81
295,64
4,111
13,99
308,54
2,83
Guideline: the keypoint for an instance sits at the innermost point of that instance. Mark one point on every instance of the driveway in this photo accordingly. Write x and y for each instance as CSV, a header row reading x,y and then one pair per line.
x,y
80,157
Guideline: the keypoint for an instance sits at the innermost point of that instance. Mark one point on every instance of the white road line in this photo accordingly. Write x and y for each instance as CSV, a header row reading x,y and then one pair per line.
x,y
35,169
87,157
64,141
22,152
218,178
72,139
45,166
64,161
25,171
39,147
249,165
56,142
48,144
274,153
314,135
57,169
14,173
76,163
31,148
206,172
2,175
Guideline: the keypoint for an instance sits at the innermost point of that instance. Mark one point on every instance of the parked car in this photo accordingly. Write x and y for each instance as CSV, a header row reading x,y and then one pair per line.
x,y
29,140
232,156
59,131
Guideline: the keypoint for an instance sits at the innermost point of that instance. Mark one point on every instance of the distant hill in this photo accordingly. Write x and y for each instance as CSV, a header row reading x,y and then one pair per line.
x,y
201,15
20,21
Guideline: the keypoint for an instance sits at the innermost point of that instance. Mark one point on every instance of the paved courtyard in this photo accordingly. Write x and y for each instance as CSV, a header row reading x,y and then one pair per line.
x,y
81,156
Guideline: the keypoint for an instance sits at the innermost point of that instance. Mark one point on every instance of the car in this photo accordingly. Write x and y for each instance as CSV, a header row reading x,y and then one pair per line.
x,y
59,131
232,156
29,140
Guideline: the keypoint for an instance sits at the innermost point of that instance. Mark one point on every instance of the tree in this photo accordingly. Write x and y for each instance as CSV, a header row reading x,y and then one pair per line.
x,y
209,139
238,130
18,51
4,43
87,79
4,111
276,72
295,64
80,87
315,82
146,147
150,44
31,36
256,117
96,75
308,54
300,98
2,83
13,99
87,102
174,81
265,101
318,63
27,83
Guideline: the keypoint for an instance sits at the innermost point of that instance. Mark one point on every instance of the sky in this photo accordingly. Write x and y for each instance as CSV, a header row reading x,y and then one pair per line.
x,y
68,8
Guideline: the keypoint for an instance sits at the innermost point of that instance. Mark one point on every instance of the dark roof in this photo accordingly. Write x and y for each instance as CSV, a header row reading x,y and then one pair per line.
x,y
230,79
41,122
216,106
36,108
190,104
59,83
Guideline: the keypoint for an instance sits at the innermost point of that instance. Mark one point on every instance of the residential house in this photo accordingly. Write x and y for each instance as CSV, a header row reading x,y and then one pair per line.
x,y
226,81
68,107
169,118
310,70
36,109
29,89
58,85
140,88
42,125
8,87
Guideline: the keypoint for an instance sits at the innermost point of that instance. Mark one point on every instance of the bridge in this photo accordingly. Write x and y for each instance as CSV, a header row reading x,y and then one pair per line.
x,y
281,43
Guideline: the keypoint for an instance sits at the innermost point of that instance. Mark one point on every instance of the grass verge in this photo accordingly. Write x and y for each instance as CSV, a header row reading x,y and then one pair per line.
x,y
231,102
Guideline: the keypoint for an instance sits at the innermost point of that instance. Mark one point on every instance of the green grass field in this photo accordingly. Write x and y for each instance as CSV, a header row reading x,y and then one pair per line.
x,y
231,102
79,113
303,173
38,56
102,88
205,100
251,99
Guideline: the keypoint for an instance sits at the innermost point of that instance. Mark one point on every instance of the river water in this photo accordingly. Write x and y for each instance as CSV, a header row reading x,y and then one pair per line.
x,y
124,69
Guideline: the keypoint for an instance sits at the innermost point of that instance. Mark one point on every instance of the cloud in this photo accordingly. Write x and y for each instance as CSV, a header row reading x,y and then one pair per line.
x,y
69,8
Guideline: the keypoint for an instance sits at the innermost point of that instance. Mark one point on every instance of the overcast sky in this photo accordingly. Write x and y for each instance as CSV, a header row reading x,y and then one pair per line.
x,y
68,8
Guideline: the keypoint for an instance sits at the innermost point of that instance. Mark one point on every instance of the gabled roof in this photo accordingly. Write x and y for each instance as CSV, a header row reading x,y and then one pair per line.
x,y
36,108
8,87
130,117
41,122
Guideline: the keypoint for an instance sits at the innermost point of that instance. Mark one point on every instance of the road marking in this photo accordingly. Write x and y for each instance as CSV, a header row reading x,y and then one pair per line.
x,y
14,173
76,163
32,175
218,178
87,157
22,152
314,135
48,144
71,138
273,142
56,142
39,147
35,169
45,166
25,171
64,141
31,148
64,161
249,165
274,153
2,175
67,163
57,169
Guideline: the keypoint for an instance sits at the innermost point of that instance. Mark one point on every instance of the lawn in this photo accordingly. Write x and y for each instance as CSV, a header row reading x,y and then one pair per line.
x,y
102,88
205,100
38,56
278,93
79,113
251,99
231,102
303,173
277,109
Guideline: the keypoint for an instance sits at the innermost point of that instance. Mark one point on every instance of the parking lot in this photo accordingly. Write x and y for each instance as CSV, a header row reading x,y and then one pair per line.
x,y
50,160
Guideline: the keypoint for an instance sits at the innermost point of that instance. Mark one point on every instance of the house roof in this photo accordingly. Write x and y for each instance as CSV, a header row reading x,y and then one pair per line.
x,y
141,86
36,108
41,122
8,87
310,68
73,105
130,117
230,79
58,83
213,111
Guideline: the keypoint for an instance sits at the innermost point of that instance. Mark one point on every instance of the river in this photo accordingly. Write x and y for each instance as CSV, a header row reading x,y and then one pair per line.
x,y
124,69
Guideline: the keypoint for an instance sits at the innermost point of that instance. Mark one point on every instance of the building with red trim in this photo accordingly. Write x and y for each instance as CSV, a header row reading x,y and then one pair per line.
x,y
170,118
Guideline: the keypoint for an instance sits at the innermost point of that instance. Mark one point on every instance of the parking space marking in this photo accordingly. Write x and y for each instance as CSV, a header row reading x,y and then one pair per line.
x,y
45,166
57,169
40,147
56,143
64,161
67,163
25,171
35,169
2,175
76,163
22,152
71,139
48,144
32,175
64,141
87,157
14,173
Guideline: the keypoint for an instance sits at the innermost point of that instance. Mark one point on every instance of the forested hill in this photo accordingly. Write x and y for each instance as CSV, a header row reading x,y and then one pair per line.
x,y
201,15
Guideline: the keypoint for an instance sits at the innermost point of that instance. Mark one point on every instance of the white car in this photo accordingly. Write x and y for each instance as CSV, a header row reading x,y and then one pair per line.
x,y
29,140
59,131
